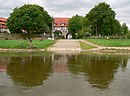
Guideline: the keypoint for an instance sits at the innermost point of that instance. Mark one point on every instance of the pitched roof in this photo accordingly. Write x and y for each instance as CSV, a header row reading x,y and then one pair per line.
x,y
60,21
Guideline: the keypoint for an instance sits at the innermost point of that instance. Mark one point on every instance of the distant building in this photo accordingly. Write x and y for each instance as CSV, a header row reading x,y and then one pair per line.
x,y
61,24
3,24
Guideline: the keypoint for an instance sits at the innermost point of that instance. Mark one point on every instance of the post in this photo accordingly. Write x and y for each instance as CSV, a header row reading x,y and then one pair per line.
x,y
52,34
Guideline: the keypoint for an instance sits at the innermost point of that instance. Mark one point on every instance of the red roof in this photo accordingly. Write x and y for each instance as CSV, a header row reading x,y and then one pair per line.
x,y
60,21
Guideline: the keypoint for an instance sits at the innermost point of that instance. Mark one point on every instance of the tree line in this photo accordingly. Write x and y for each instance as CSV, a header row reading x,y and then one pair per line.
x,y
100,21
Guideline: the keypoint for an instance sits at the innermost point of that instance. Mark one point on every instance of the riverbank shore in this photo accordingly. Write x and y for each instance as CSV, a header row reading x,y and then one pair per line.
x,y
21,50
110,50
104,49
72,45
93,50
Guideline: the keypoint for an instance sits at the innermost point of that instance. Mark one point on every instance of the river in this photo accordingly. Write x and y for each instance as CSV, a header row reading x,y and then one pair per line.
x,y
64,74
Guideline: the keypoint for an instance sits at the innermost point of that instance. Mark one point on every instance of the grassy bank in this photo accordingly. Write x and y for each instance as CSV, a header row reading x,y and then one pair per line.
x,y
24,44
85,46
111,42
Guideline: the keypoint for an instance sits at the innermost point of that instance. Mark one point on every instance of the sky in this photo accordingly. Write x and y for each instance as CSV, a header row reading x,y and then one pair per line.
x,y
69,8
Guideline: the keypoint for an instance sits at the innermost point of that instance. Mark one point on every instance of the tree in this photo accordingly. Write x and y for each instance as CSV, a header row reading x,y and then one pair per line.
x,y
101,18
116,28
32,18
75,25
85,22
124,29
85,31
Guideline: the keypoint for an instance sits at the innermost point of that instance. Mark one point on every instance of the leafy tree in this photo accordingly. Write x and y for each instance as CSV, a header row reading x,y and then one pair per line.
x,y
32,18
124,29
85,31
75,25
101,18
113,28
85,22
116,28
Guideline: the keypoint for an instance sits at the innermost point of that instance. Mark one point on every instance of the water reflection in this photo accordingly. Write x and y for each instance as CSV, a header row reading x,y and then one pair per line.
x,y
98,70
59,63
29,70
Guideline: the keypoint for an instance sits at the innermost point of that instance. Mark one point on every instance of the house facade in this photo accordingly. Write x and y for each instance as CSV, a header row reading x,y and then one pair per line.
x,y
61,24
3,24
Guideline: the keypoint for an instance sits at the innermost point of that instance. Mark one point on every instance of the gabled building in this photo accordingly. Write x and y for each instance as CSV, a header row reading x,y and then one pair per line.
x,y
3,24
61,24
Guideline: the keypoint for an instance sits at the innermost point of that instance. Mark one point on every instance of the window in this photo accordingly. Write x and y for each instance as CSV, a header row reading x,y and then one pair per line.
x,y
62,24
55,24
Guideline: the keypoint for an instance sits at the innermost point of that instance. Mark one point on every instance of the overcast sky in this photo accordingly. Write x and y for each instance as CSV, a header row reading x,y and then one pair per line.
x,y
69,8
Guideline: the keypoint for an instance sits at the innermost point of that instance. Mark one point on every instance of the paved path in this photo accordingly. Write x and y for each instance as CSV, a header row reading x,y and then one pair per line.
x,y
66,45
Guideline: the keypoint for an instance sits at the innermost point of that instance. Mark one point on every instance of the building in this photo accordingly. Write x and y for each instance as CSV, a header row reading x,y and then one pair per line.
x,y
61,24
3,24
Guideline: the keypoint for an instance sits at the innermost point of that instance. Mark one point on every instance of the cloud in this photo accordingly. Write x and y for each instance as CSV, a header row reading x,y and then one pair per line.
x,y
68,8
7,6
122,9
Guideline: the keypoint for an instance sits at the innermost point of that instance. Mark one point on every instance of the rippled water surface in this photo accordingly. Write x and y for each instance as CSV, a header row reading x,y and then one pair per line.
x,y
64,74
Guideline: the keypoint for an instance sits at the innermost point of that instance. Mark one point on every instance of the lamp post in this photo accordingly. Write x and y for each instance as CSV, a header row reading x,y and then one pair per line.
x,y
52,34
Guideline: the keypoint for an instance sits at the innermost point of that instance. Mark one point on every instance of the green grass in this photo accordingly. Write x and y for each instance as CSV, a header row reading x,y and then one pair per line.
x,y
111,42
85,46
24,44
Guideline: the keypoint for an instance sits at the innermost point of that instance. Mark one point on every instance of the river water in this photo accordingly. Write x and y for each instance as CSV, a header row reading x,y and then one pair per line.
x,y
64,74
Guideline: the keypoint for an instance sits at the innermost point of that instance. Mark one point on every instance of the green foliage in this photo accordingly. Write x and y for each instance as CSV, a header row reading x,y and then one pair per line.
x,y
85,22
124,29
75,25
111,42
32,18
57,33
116,28
24,44
84,32
101,19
